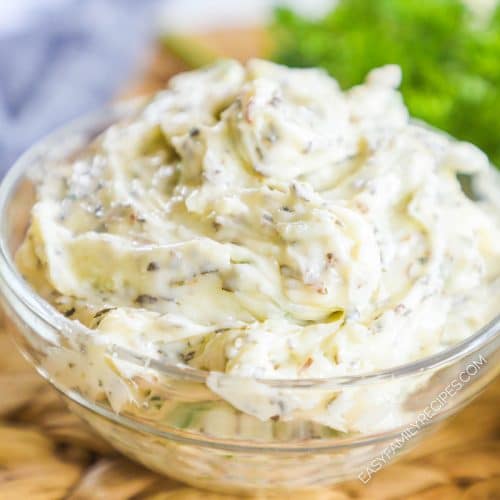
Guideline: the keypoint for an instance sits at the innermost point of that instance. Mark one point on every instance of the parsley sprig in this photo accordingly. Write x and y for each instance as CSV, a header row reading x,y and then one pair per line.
x,y
450,62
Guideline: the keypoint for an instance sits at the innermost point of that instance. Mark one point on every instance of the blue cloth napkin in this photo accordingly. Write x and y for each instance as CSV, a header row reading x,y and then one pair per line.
x,y
66,58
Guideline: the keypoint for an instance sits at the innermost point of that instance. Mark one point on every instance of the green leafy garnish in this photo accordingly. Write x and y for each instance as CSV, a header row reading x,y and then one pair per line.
x,y
189,50
186,414
450,61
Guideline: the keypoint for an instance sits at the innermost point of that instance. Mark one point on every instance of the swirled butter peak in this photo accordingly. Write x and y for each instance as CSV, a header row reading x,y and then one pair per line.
x,y
257,220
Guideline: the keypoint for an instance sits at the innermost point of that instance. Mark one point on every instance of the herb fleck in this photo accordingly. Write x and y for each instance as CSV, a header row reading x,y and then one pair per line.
x,y
153,266
331,259
144,299
188,356
103,311
70,312
209,271
307,364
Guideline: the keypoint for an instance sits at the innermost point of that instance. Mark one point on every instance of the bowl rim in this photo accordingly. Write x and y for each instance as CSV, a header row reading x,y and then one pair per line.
x,y
11,279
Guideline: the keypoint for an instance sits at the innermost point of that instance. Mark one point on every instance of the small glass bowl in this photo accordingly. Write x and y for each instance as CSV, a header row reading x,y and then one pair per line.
x,y
179,426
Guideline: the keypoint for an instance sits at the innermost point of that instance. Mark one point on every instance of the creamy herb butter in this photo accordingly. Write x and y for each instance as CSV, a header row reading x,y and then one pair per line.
x,y
258,221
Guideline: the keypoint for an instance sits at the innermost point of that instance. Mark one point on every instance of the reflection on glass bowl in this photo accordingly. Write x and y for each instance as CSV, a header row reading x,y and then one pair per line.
x,y
177,425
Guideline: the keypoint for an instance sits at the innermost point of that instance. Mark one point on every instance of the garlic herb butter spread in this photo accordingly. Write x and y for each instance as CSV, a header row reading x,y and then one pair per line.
x,y
257,221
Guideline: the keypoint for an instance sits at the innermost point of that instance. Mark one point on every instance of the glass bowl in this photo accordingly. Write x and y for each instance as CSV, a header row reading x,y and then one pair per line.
x,y
175,422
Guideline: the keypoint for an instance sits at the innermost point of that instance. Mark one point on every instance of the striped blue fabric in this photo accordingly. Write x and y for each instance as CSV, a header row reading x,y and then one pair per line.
x,y
63,60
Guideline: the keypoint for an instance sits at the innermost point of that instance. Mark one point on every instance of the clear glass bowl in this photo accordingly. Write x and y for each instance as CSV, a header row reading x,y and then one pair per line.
x,y
180,427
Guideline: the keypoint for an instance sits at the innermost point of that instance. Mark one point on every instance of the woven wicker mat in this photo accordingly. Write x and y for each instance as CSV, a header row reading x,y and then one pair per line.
x,y
46,453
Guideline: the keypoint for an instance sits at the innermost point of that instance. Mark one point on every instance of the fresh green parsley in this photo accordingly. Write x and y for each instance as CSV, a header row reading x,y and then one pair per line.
x,y
450,61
